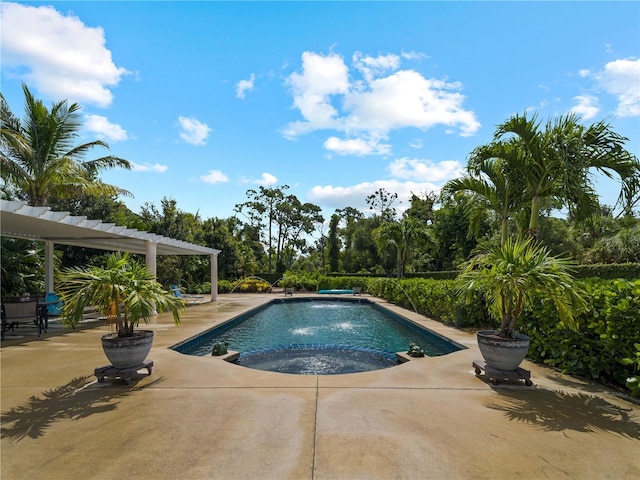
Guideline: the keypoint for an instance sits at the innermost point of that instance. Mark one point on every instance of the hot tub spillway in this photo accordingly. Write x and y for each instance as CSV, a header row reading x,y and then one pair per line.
x,y
317,359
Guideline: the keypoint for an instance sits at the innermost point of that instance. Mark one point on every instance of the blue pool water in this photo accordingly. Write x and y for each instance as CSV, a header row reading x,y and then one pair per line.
x,y
283,326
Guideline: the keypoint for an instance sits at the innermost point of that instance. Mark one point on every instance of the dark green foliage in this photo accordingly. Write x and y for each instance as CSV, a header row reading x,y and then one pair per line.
x,y
630,271
451,228
301,281
633,382
22,267
225,286
437,299
342,283
606,335
441,275
333,245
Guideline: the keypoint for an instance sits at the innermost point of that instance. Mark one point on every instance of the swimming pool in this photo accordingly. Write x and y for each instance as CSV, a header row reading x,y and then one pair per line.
x,y
328,324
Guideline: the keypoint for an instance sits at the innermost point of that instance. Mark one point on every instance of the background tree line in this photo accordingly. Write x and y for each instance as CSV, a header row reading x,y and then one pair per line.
x,y
515,184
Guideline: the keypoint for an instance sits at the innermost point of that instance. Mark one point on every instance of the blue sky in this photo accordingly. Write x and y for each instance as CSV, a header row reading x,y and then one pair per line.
x,y
334,99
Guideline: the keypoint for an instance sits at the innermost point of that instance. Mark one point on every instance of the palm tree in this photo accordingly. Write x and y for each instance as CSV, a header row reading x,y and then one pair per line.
x,y
492,184
559,162
402,235
124,291
38,157
510,275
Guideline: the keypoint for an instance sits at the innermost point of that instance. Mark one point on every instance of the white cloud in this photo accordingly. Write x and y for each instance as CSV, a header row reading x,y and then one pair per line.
x,y
585,72
416,143
105,129
330,196
321,78
622,78
407,99
375,66
587,106
410,176
244,85
193,131
214,176
384,99
60,55
148,167
357,146
265,179
425,170
412,55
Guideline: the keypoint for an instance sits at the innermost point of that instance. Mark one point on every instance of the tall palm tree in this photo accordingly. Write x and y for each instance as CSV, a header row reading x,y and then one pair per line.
x,y
38,157
492,184
403,236
559,162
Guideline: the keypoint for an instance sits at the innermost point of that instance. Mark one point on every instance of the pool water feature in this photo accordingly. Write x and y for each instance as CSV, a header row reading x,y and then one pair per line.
x,y
332,325
317,359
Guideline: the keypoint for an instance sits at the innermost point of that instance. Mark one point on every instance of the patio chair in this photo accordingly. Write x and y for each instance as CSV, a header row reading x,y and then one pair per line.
x,y
190,299
24,309
6,324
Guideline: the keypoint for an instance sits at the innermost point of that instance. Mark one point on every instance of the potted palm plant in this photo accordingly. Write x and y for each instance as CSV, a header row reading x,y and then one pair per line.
x,y
124,292
509,276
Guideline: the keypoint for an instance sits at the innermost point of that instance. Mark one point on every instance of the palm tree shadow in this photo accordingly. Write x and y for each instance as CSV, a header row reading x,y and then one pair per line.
x,y
76,400
556,410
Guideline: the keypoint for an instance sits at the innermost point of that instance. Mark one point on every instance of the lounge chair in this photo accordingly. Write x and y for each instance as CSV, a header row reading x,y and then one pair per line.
x,y
190,299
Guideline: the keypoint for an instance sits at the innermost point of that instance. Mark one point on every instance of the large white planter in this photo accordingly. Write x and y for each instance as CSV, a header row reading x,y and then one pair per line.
x,y
124,352
502,353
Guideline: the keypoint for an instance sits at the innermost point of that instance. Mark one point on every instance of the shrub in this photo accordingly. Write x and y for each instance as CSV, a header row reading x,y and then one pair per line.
x,y
300,281
607,332
247,285
225,286
437,299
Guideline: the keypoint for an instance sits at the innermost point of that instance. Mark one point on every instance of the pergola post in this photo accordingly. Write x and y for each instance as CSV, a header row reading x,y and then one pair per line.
x,y
48,267
214,277
150,257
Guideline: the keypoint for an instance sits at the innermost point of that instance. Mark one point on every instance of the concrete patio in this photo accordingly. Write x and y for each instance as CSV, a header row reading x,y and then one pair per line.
x,y
204,418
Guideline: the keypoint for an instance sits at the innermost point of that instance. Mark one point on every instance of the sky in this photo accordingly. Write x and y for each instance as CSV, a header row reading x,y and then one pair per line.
x,y
334,99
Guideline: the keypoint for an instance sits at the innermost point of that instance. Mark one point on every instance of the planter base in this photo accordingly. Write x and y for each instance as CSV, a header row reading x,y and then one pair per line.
x,y
127,352
502,353
124,373
495,374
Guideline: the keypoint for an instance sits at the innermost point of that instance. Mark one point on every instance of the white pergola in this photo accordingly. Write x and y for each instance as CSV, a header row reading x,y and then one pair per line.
x,y
19,220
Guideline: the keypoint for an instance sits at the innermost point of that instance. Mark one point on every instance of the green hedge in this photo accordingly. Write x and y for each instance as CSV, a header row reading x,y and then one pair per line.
x,y
607,333
437,299
247,285
630,271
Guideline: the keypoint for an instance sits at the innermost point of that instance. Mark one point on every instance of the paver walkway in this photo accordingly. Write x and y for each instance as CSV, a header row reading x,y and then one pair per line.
x,y
203,418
